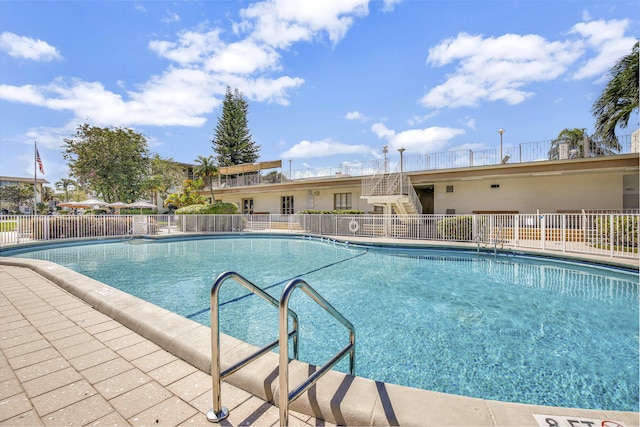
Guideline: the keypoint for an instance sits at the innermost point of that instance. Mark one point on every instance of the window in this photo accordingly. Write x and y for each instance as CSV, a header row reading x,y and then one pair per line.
x,y
342,201
287,204
449,188
247,206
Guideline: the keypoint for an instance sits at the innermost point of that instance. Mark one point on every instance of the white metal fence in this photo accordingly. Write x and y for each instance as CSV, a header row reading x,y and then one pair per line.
x,y
608,234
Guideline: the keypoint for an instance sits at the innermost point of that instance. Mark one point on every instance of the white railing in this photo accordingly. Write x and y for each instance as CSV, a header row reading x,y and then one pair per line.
x,y
536,151
613,235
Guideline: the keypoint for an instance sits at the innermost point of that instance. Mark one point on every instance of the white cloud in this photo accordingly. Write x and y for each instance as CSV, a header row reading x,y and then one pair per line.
x,y
28,48
389,5
203,65
356,115
608,40
280,23
192,47
171,17
427,140
244,57
496,68
500,68
324,148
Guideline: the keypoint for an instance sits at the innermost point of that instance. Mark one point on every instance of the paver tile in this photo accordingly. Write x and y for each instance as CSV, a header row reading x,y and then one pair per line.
x,y
112,334
138,350
122,383
82,349
27,347
16,336
9,388
154,360
34,357
56,326
5,325
93,359
40,385
80,413
42,368
106,370
63,396
111,419
60,337
170,412
14,405
125,341
72,340
172,372
27,419
191,386
103,326
140,399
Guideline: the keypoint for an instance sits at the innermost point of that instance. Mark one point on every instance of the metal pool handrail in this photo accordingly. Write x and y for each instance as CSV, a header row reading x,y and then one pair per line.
x,y
285,396
218,412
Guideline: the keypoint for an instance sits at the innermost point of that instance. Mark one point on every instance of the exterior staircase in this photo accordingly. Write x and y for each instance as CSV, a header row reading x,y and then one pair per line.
x,y
392,191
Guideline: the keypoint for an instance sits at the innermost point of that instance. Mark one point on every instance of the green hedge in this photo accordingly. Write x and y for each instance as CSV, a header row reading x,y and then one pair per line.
x,y
331,212
216,208
625,230
59,227
456,228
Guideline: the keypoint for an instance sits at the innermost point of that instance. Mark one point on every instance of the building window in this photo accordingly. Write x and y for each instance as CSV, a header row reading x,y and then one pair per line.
x,y
449,188
451,211
287,204
247,206
342,201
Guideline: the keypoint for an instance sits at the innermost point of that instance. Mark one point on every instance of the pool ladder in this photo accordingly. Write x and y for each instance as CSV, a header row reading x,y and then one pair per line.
x,y
219,412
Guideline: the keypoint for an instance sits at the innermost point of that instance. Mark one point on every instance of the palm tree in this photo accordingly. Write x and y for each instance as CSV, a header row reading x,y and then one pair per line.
x,y
207,170
618,100
574,141
64,185
47,194
578,143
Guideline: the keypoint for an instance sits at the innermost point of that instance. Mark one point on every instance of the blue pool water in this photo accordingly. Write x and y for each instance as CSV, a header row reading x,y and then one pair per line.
x,y
506,328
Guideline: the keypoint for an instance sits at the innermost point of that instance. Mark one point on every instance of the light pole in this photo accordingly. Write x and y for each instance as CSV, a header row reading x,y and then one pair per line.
x,y
500,131
385,150
290,177
401,150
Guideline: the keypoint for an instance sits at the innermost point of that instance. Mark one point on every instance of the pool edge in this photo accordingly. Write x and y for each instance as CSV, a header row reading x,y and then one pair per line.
x,y
337,398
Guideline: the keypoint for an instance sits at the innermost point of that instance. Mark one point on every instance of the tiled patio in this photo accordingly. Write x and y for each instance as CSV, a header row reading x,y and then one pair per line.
x,y
64,363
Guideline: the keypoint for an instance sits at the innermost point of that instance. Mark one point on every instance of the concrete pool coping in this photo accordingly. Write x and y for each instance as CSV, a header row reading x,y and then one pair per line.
x,y
337,398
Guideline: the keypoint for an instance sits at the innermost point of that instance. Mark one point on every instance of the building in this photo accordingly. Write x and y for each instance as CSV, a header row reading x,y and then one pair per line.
x,y
13,180
461,182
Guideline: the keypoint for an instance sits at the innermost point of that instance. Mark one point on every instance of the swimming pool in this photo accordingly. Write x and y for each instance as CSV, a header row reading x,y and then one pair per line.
x,y
506,328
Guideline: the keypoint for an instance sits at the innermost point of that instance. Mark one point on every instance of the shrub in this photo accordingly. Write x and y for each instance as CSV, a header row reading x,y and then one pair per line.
x,y
57,227
456,228
331,212
216,208
625,230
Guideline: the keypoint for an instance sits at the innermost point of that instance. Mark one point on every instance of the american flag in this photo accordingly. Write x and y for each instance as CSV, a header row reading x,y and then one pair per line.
x,y
39,160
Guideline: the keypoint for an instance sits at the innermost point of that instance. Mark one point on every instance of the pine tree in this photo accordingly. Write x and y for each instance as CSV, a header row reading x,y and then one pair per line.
x,y
232,141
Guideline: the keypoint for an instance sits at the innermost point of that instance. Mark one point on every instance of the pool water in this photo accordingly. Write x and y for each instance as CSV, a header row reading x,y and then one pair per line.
x,y
507,328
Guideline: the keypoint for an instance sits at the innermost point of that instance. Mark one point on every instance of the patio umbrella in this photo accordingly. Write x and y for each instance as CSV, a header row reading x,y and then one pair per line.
x,y
91,203
117,206
141,204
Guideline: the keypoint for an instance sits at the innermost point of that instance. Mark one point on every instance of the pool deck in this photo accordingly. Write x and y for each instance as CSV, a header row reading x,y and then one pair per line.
x,y
77,352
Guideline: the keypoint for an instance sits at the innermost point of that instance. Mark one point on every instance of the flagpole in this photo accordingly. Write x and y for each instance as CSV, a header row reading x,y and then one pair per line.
x,y
35,176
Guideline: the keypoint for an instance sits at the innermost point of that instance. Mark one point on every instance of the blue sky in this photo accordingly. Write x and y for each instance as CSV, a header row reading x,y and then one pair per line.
x,y
328,82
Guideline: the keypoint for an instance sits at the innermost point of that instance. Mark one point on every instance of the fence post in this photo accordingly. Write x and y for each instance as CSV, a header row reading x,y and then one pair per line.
x,y
564,233
611,236
543,232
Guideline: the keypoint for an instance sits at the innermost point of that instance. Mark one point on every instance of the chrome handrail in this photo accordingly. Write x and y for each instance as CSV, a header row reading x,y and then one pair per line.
x,y
287,397
219,412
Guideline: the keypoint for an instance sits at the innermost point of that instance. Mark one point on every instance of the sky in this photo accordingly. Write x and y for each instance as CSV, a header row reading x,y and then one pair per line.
x,y
328,82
